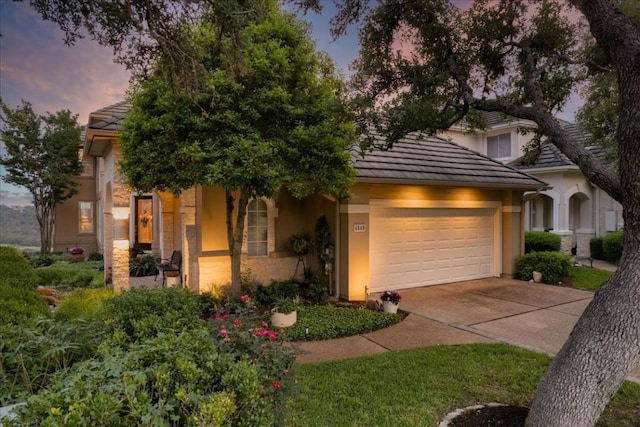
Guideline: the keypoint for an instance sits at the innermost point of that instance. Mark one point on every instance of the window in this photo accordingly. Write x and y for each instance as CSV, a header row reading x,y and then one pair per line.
x,y
499,146
257,228
87,164
85,217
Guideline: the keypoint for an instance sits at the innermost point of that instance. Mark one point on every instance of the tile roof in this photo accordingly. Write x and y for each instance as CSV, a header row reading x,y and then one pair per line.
x,y
438,161
110,117
552,157
412,159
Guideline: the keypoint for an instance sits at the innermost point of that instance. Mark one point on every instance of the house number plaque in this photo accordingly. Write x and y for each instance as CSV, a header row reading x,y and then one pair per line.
x,y
359,227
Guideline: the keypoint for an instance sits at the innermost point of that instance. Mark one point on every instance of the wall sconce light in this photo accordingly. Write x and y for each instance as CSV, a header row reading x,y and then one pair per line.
x,y
120,223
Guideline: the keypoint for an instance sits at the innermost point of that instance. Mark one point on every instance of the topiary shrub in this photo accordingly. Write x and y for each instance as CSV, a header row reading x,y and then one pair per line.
x,y
596,249
554,266
541,241
612,247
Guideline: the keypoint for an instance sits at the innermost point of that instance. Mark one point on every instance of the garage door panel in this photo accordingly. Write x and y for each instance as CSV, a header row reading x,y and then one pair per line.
x,y
418,247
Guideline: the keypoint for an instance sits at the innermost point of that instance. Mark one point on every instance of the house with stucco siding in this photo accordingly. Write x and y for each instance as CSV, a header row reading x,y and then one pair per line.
x,y
428,211
571,206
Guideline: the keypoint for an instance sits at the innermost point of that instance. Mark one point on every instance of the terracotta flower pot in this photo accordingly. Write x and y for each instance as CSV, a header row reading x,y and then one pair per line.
x,y
76,257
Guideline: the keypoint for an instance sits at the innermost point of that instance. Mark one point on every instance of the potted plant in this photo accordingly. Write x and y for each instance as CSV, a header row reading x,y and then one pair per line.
x,y
76,254
390,300
284,312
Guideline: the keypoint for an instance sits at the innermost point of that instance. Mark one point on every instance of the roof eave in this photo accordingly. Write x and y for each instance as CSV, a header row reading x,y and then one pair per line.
x,y
98,142
493,186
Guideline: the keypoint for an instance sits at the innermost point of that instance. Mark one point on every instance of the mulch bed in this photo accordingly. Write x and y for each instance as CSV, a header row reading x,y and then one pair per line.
x,y
492,416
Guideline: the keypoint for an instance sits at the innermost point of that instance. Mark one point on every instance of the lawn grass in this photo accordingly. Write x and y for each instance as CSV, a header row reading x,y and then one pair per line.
x,y
418,387
588,279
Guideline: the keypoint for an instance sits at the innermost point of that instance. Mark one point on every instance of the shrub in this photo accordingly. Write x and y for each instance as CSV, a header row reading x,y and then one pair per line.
x,y
612,246
143,266
554,266
15,269
541,241
19,306
232,372
95,256
41,260
266,296
29,356
595,248
84,304
67,274
316,290
141,313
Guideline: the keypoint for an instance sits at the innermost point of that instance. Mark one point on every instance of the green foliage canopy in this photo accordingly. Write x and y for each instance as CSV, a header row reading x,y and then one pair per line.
x,y
279,121
42,156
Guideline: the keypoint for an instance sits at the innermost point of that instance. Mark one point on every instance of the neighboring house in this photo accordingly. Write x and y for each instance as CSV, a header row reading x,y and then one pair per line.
x,y
75,218
571,206
426,212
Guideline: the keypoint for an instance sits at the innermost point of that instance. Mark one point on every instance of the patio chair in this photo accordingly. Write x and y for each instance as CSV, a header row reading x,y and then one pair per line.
x,y
173,264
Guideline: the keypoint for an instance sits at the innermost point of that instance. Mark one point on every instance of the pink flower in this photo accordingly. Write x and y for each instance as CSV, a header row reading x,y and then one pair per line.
x,y
272,335
224,333
244,298
236,323
263,333
263,324
276,385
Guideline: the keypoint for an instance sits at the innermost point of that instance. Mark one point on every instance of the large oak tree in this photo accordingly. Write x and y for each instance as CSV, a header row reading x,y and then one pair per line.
x,y
425,65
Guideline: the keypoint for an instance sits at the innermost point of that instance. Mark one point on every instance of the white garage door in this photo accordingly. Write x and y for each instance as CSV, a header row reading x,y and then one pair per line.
x,y
412,247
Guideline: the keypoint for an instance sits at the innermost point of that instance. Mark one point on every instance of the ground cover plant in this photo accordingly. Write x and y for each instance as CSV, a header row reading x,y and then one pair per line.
x,y
419,386
75,275
319,322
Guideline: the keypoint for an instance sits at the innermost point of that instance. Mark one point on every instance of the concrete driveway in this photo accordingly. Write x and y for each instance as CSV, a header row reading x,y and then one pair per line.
x,y
529,315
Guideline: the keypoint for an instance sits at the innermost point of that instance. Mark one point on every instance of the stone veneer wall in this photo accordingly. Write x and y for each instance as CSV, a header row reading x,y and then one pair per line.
x,y
583,238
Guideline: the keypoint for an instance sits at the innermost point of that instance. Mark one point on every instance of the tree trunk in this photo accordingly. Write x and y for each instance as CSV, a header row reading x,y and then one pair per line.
x,y
601,350
235,235
604,346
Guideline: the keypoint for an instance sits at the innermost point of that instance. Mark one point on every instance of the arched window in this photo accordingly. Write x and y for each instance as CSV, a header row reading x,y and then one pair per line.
x,y
257,228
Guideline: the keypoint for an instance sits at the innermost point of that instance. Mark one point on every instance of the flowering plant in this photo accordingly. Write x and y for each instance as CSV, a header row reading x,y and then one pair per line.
x,y
391,296
76,250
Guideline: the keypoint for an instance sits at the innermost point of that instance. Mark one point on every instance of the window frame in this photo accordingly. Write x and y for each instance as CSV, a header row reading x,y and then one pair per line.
x,y
82,206
272,213
498,139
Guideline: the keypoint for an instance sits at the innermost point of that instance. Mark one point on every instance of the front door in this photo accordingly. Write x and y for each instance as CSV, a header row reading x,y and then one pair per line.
x,y
144,222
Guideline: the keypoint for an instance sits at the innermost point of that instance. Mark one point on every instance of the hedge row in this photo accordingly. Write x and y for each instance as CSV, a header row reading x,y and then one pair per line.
x,y
541,241
608,248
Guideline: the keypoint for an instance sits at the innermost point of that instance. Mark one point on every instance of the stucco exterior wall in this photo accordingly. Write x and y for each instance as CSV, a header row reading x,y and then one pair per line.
x,y
67,232
287,215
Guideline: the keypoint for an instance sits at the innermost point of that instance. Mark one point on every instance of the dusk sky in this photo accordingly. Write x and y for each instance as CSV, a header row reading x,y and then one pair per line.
x,y
36,65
